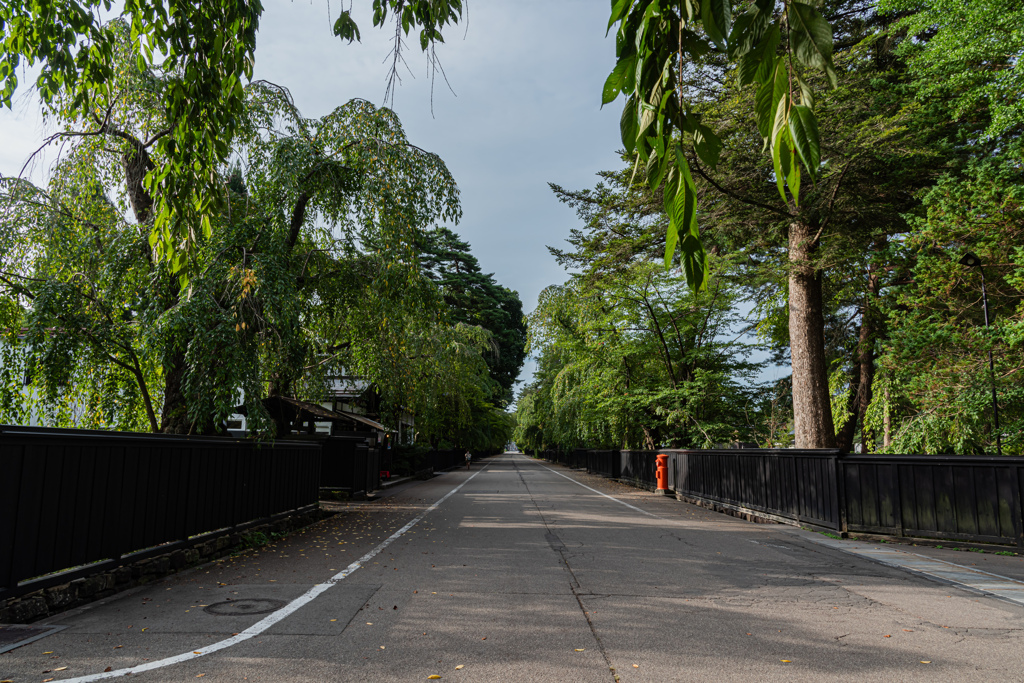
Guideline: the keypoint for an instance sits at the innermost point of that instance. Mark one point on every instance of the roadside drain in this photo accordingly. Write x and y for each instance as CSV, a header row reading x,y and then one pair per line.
x,y
235,608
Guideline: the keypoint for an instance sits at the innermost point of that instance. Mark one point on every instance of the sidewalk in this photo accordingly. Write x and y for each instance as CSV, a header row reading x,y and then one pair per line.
x,y
997,575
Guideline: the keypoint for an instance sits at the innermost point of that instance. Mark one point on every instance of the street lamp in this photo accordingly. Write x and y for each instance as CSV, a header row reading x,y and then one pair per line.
x,y
971,260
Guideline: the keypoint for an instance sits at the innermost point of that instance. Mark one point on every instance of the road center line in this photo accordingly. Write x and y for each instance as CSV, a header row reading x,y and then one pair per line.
x,y
262,625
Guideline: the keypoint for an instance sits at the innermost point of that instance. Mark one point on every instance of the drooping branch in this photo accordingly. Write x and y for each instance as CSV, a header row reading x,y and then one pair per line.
x,y
298,217
740,198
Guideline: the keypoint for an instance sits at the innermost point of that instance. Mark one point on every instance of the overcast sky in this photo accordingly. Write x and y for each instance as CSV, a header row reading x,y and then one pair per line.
x,y
527,77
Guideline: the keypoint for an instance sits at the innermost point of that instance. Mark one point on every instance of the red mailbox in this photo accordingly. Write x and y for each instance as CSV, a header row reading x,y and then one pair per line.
x,y
662,474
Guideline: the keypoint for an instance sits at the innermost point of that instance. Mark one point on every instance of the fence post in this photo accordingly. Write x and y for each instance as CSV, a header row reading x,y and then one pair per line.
x,y
1018,507
897,503
840,475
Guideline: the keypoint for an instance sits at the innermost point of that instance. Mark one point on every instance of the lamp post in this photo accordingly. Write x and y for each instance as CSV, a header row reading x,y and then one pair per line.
x,y
971,260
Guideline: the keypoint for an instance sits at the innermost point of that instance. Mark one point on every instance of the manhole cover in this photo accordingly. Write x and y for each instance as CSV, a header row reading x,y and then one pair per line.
x,y
234,608
16,635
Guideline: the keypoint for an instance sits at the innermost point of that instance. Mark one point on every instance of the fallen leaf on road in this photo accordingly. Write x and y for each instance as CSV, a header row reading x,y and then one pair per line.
x,y
888,636
60,669
580,649
909,630
47,680
109,668
45,653
459,666
118,646
382,647
433,676
333,619
369,623
926,661
787,661
200,675
636,666
197,652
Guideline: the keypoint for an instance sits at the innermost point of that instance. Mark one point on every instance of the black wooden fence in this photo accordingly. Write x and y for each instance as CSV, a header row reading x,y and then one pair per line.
x,y
949,497
959,498
795,485
638,468
349,464
443,460
73,497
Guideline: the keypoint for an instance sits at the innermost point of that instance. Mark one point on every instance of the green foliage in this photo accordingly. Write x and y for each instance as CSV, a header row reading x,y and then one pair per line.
x,y
966,54
638,361
474,298
628,356
311,269
659,43
201,54
935,382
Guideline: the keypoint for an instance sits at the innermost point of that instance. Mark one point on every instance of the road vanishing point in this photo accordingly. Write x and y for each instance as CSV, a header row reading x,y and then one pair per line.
x,y
521,571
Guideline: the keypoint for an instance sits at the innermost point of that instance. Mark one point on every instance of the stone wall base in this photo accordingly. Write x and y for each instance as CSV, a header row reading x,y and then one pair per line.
x,y
53,600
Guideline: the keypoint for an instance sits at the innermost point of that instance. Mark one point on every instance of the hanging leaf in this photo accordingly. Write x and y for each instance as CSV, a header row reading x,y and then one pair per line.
x,y
781,118
793,177
756,65
782,158
671,239
806,95
694,261
767,97
613,85
619,7
748,31
716,16
707,144
627,126
803,129
810,38
345,27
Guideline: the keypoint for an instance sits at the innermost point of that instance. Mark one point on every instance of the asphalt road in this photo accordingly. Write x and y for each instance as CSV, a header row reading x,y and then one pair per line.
x,y
522,574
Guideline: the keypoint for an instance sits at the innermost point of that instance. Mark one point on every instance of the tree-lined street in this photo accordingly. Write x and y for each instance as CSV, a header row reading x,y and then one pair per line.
x,y
527,572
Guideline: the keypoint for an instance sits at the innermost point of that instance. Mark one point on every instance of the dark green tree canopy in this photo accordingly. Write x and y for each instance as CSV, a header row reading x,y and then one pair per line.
x,y
475,298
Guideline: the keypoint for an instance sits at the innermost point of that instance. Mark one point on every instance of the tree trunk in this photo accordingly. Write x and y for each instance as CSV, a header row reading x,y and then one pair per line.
x,y
863,373
868,332
281,387
886,424
812,408
844,437
174,417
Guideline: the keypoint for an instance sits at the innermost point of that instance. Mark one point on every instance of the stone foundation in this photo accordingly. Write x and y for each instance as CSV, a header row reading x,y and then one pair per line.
x,y
46,602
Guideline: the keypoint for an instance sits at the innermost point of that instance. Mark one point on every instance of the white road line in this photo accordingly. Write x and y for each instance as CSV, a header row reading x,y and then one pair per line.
x,y
271,619
620,502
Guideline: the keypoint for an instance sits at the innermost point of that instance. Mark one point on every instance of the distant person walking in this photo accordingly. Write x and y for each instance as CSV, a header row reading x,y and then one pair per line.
x,y
469,459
